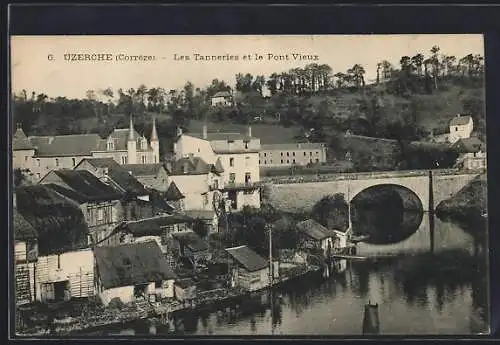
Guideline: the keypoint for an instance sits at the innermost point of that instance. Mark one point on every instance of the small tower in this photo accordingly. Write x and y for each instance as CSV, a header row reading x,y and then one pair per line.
x,y
155,143
131,144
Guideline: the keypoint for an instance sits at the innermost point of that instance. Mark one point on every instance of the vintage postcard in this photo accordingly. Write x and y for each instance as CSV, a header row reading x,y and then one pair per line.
x,y
325,185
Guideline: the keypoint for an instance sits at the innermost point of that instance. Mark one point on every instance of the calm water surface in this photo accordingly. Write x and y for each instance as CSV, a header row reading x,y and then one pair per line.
x,y
432,287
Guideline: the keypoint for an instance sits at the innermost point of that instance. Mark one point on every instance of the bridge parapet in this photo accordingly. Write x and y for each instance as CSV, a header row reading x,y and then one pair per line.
x,y
355,176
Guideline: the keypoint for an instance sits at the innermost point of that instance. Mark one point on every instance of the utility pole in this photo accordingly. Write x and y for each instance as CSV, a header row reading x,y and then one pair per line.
x,y
271,276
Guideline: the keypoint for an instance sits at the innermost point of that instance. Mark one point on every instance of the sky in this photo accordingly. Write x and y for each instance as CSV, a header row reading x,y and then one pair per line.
x,y
38,62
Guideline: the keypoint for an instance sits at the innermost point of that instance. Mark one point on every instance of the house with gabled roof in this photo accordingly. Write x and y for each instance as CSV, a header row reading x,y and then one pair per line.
x,y
136,201
237,157
249,270
100,203
316,236
63,259
461,127
133,272
222,98
196,180
41,154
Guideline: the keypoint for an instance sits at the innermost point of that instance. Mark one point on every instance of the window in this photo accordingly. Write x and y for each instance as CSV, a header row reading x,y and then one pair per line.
x,y
281,154
158,284
265,154
143,159
317,160
456,129
100,214
38,161
205,199
304,153
293,154
74,161
110,145
198,150
246,145
310,153
231,162
288,154
248,178
259,161
232,177
25,158
317,152
287,161
293,161
57,162
265,162
282,161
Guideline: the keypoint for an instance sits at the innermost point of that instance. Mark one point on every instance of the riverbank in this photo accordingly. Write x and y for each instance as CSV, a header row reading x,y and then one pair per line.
x,y
469,203
82,317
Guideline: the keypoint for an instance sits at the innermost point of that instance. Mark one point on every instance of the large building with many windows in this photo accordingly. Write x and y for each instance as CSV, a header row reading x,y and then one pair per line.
x,y
38,155
276,155
235,156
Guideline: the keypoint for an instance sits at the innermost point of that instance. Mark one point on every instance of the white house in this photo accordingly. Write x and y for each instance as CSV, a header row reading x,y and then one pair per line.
x,y
461,127
235,155
223,98
133,271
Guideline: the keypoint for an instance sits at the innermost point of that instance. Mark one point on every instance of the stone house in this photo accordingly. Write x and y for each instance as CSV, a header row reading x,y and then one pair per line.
x,y
249,271
317,237
472,153
461,127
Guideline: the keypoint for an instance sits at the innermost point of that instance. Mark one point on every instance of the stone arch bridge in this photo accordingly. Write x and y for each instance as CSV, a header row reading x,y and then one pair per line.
x,y
298,194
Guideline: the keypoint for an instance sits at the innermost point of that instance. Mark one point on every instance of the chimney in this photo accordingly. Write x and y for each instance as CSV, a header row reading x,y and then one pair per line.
x,y
250,131
205,131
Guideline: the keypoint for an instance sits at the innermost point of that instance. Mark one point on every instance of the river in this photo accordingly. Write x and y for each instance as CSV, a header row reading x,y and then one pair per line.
x,y
431,287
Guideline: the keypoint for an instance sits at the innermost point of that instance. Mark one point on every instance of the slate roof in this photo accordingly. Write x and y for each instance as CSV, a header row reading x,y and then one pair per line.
x,y
23,230
132,264
470,145
292,146
85,186
143,169
219,136
315,230
153,226
191,240
247,258
460,120
66,145
60,224
173,193
119,175
20,141
120,136
190,166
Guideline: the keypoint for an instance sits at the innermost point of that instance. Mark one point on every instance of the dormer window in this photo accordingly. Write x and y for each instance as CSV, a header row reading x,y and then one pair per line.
x,y
144,143
110,144
456,129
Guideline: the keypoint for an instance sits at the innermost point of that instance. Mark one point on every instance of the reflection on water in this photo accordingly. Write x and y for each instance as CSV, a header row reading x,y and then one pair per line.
x,y
435,289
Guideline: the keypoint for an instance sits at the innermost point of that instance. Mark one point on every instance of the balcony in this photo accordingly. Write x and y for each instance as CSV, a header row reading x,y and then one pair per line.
x,y
242,186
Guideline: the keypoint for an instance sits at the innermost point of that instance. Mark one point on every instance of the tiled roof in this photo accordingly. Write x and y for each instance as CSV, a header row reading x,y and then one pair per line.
x,y
132,264
247,258
143,169
222,94
184,283
85,186
460,120
20,141
292,146
191,240
173,193
470,145
190,166
119,175
314,230
66,145
23,230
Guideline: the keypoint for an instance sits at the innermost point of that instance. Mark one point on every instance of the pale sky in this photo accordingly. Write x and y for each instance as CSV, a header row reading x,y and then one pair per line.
x,y
32,70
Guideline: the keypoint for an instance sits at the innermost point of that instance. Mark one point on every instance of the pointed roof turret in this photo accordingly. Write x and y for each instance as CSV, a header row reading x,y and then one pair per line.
x,y
131,130
154,134
20,141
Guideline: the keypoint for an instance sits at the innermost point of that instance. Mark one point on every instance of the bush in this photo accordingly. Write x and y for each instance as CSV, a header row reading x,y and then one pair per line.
x,y
116,303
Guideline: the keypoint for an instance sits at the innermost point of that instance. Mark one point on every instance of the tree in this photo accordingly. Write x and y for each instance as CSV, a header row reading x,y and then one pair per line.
x,y
436,64
331,211
357,73
417,62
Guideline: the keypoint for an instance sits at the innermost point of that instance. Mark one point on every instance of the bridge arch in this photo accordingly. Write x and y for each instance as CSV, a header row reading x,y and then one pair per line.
x,y
410,199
